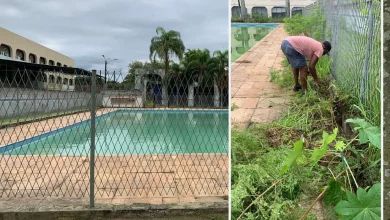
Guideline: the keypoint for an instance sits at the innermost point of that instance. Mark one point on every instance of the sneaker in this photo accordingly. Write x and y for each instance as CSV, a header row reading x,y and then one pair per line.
x,y
297,88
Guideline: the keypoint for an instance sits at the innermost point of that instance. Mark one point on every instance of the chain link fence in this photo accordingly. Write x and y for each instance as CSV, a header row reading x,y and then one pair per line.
x,y
147,138
354,29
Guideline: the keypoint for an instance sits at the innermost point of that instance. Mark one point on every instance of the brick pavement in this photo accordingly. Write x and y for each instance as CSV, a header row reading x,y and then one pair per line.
x,y
126,179
256,98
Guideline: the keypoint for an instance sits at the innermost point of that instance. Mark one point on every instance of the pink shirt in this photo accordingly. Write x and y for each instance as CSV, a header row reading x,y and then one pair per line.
x,y
306,46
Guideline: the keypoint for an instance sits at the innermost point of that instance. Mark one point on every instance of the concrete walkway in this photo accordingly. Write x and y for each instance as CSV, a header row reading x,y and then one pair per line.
x,y
254,97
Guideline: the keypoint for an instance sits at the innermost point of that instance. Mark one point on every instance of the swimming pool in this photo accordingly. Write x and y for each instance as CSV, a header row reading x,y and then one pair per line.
x,y
135,132
245,35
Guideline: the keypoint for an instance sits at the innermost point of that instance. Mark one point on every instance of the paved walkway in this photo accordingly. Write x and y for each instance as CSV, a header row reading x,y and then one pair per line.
x,y
127,179
254,97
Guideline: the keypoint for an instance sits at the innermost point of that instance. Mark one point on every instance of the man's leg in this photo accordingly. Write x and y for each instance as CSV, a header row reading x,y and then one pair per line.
x,y
296,75
303,77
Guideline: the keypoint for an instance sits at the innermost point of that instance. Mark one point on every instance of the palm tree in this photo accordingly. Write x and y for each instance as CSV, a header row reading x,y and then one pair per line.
x,y
196,69
218,67
175,73
165,45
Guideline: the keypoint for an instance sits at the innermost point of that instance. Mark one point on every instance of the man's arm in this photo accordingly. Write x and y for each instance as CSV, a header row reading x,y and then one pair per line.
x,y
312,68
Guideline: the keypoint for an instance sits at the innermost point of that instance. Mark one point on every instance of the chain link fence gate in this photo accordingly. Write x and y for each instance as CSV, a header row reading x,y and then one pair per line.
x,y
144,138
354,29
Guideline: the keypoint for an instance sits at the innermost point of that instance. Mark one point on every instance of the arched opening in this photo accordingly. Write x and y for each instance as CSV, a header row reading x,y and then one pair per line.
x,y
59,80
70,82
42,61
32,58
154,88
278,12
51,79
59,64
6,76
296,10
65,81
65,66
236,11
260,11
20,55
5,50
51,62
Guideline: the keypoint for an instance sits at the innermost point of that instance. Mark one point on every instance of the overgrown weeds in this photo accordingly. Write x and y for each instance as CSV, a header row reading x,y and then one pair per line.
x,y
255,18
259,154
325,146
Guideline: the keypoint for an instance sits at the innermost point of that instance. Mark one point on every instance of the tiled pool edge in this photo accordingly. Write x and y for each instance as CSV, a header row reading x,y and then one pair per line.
x,y
18,144
256,24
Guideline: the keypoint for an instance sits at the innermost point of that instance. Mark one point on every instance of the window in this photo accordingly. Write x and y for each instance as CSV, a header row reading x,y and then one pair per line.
x,y
65,66
260,11
32,58
71,82
5,50
42,61
59,64
59,80
278,12
20,55
51,79
296,10
65,82
51,62
236,11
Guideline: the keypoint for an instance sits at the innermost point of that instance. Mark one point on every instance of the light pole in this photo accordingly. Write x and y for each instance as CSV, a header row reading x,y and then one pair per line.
x,y
288,9
106,61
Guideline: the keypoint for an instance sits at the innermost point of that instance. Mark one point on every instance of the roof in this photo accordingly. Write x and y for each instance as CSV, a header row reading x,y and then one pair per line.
x,y
43,67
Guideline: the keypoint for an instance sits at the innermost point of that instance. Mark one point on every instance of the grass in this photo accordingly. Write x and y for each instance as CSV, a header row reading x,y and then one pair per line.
x,y
234,107
259,152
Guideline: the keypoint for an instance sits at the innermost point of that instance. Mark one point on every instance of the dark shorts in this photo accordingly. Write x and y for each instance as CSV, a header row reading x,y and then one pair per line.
x,y
295,59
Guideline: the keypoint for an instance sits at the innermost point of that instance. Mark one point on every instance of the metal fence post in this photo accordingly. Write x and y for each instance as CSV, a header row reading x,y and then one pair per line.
x,y
368,50
92,148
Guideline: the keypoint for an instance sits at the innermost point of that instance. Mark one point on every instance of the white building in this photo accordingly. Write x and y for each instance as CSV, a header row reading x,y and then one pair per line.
x,y
271,8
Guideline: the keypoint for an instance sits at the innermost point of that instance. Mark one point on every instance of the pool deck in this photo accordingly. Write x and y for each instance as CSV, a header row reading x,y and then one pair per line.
x,y
254,97
127,179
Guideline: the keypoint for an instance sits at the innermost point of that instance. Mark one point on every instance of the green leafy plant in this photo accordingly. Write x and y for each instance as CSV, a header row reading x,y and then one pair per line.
x,y
318,153
362,206
335,192
311,26
294,155
367,132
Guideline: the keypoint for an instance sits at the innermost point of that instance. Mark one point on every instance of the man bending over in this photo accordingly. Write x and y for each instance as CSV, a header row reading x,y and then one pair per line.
x,y
298,49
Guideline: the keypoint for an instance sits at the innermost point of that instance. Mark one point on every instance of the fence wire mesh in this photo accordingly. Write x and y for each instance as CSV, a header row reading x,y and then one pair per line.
x,y
149,137
354,29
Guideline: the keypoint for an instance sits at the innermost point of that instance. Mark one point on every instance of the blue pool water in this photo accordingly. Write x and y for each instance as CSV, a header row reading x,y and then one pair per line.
x,y
245,35
135,132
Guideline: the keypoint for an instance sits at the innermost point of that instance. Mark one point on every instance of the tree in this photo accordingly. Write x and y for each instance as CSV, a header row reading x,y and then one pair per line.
x,y
196,62
165,45
129,80
218,67
175,78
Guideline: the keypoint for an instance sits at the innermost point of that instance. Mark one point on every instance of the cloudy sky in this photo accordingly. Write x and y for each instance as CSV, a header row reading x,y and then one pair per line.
x,y
122,29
